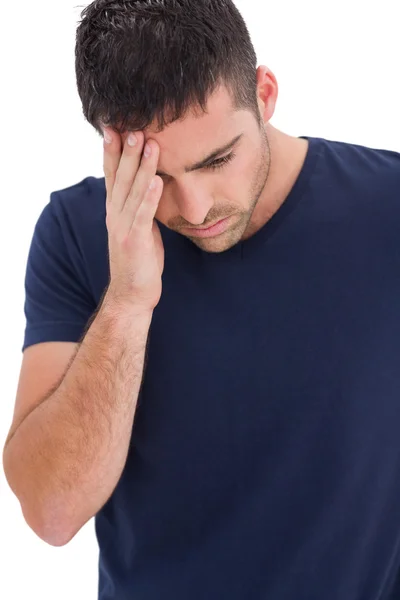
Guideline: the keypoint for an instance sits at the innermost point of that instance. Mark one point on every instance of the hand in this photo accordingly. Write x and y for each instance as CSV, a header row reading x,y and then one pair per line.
x,y
136,250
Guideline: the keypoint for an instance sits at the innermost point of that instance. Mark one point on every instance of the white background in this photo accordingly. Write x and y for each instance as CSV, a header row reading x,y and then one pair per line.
x,y
337,66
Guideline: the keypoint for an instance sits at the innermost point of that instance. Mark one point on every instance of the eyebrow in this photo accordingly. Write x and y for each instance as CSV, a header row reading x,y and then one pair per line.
x,y
209,159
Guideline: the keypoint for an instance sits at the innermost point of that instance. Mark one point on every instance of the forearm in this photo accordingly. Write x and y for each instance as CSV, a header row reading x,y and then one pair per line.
x,y
66,457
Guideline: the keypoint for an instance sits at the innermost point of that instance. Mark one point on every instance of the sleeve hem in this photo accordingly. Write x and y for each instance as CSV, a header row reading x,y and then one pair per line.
x,y
53,332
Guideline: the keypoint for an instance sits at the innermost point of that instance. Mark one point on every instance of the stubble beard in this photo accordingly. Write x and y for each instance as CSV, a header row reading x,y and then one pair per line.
x,y
244,227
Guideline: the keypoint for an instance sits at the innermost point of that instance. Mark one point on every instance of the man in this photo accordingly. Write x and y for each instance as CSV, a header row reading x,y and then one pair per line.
x,y
224,400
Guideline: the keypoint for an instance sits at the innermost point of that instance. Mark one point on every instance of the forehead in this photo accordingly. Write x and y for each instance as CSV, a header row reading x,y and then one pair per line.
x,y
196,124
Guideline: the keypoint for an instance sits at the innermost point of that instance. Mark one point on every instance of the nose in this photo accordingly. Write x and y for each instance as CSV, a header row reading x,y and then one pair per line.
x,y
194,204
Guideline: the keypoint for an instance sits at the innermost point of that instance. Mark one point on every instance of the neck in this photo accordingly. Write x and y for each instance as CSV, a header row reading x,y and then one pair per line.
x,y
287,156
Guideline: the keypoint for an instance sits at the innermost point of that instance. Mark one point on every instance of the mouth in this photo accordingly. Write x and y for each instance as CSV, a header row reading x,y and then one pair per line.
x,y
211,231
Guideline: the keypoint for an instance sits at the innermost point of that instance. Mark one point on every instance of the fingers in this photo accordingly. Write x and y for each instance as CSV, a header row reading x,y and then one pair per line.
x,y
127,171
140,187
111,158
145,214
129,174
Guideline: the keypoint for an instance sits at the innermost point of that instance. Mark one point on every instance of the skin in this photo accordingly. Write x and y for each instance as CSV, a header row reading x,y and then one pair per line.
x,y
249,189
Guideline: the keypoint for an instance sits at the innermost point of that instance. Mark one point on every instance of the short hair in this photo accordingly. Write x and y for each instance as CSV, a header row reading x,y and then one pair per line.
x,y
140,62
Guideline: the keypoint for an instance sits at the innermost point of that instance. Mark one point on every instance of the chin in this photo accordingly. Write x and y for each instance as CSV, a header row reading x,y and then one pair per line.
x,y
219,243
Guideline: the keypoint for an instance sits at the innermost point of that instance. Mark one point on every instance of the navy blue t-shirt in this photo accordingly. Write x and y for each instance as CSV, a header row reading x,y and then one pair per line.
x,y
264,461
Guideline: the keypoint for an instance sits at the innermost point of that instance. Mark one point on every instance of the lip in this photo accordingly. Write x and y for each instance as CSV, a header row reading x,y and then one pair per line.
x,y
212,231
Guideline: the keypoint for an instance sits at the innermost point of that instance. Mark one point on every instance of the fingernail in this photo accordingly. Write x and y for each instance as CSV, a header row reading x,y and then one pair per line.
x,y
107,137
132,139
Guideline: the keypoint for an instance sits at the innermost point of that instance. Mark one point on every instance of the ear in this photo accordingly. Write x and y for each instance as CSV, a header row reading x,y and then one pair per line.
x,y
267,92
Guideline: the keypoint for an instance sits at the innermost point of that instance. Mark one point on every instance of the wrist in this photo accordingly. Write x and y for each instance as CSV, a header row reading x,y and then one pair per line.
x,y
125,309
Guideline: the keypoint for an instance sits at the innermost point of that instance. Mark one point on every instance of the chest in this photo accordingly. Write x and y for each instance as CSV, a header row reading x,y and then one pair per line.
x,y
271,371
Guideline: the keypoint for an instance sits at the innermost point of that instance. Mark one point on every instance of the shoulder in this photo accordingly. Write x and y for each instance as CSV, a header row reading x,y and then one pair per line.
x,y
368,178
83,202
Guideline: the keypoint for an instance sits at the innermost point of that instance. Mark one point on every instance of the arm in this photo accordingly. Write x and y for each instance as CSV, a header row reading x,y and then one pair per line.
x,y
65,459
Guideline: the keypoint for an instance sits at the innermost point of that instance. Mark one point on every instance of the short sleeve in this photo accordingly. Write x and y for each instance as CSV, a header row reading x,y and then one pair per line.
x,y
58,305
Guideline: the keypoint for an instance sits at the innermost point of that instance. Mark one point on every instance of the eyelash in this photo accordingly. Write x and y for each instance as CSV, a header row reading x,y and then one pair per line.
x,y
221,162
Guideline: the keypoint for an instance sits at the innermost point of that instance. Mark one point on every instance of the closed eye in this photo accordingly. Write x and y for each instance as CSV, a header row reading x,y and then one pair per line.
x,y
217,164
221,162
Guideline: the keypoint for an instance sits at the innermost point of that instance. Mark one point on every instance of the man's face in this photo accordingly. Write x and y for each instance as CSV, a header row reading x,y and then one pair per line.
x,y
205,196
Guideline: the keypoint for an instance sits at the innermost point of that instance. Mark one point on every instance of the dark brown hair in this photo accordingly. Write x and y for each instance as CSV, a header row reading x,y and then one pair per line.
x,y
140,62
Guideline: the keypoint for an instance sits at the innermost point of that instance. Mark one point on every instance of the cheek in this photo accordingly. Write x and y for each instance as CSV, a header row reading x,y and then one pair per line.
x,y
229,185
245,166
237,179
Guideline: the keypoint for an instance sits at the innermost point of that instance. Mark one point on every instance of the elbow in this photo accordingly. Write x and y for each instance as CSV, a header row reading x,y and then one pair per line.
x,y
51,531
46,523
48,532
54,536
